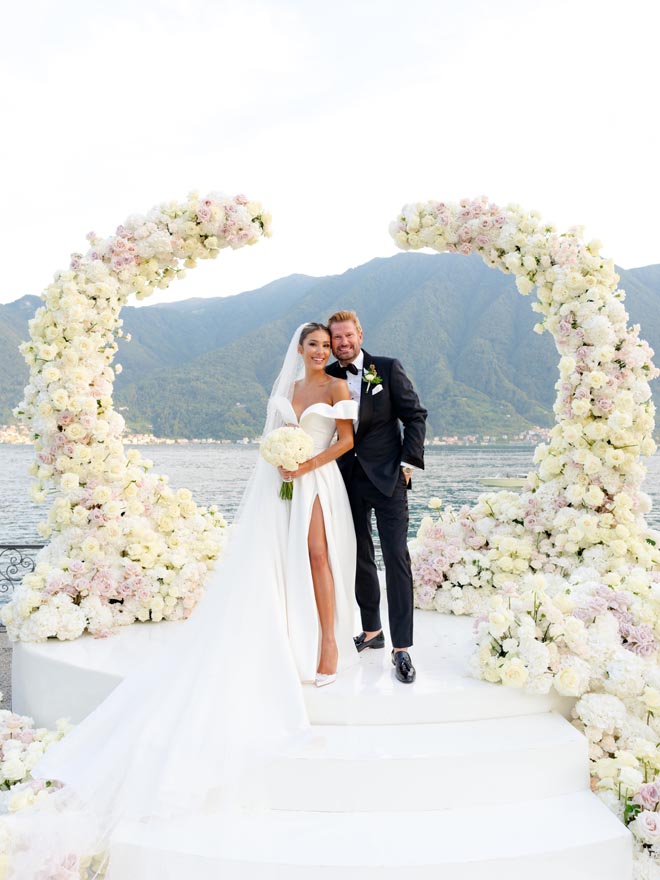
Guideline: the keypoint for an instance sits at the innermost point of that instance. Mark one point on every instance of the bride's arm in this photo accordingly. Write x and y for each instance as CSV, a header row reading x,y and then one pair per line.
x,y
343,443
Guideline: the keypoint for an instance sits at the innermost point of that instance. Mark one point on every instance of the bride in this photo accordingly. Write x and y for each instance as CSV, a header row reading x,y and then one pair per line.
x,y
320,517
180,734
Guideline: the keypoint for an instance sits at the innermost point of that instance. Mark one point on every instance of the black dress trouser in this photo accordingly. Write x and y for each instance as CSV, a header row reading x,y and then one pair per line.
x,y
392,523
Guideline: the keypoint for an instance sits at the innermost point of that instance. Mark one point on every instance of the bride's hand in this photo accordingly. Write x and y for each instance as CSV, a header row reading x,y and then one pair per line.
x,y
287,476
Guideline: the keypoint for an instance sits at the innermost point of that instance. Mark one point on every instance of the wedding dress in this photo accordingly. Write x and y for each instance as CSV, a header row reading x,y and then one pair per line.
x,y
179,734
326,483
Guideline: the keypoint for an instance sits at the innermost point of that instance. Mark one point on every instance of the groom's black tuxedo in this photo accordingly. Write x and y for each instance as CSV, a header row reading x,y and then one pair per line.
x,y
379,446
391,430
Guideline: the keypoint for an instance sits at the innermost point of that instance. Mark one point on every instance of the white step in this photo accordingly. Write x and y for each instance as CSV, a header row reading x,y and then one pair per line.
x,y
69,679
370,694
430,766
573,837
466,780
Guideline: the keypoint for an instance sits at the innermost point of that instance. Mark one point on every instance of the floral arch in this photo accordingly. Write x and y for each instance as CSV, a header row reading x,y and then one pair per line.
x,y
565,577
123,545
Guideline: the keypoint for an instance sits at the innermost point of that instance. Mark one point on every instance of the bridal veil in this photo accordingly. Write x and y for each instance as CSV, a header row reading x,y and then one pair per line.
x,y
178,734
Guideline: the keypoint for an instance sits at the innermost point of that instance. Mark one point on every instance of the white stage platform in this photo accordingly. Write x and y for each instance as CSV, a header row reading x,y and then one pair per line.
x,y
449,777
51,680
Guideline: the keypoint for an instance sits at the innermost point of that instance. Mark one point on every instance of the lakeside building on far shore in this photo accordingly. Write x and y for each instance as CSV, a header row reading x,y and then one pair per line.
x,y
19,435
531,437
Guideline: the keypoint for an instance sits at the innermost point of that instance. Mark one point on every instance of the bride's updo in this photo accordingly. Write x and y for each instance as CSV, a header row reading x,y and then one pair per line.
x,y
310,328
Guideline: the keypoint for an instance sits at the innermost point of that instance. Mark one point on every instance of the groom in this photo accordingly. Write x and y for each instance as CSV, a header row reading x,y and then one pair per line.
x,y
377,474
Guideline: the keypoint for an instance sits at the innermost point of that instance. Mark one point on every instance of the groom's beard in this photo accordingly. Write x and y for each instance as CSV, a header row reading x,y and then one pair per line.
x,y
348,360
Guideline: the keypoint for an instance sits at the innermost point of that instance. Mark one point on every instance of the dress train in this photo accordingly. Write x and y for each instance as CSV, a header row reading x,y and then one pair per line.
x,y
179,733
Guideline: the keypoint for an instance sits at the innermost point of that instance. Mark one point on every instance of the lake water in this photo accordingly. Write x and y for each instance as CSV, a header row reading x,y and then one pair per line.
x,y
218,474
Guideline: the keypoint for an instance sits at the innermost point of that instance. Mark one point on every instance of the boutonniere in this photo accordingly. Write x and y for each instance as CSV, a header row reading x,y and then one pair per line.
x,y
372,379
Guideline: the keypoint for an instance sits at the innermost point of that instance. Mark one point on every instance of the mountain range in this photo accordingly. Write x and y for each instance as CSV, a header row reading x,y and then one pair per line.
x,y
203,367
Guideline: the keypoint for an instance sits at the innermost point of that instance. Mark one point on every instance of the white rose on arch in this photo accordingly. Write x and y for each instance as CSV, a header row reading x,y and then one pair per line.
x,y
591,628
105,496
585,464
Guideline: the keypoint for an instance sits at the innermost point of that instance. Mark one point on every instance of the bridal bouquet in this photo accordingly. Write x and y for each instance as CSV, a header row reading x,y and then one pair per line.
x,y
287,447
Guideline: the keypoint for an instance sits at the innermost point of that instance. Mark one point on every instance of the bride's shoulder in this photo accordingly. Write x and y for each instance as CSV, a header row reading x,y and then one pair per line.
x,y
339,390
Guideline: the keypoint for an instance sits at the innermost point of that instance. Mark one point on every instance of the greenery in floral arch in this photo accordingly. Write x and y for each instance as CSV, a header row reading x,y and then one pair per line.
x,y
565,577
124,546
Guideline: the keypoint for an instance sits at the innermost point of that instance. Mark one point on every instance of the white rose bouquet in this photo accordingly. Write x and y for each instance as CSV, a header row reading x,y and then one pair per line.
x,y
287,447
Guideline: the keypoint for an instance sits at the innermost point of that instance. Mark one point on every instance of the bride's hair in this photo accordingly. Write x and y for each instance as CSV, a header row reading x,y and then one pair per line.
x,y
310,328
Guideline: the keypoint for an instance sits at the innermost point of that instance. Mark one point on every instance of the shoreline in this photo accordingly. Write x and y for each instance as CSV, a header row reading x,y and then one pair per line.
x,y
498,442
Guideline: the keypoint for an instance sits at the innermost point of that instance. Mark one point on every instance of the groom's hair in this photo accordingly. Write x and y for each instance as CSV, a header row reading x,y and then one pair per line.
x,y
345,316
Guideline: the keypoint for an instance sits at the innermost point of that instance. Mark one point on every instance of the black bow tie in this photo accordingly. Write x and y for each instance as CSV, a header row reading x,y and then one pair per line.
x,y
349,368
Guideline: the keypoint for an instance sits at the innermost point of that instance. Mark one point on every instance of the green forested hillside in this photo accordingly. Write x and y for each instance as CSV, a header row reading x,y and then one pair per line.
x,y
204,367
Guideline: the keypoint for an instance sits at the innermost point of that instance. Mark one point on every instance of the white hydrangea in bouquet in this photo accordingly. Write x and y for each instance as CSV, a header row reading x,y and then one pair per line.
x,y
287,447
124,545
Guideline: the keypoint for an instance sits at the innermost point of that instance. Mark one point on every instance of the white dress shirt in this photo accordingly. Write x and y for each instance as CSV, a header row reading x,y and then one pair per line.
x,y
355,379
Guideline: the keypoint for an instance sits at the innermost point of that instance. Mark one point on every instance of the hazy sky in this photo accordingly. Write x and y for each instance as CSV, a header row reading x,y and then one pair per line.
x,y
333,114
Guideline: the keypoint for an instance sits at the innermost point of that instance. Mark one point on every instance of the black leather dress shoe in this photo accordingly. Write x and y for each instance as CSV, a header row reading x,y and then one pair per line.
x,y
403,668
362,642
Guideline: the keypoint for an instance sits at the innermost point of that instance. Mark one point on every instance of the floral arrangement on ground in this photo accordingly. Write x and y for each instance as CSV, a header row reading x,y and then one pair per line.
x,y
21,746
124,546
564,579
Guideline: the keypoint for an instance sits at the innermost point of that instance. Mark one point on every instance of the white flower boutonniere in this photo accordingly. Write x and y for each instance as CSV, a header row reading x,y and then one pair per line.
x,y
372,379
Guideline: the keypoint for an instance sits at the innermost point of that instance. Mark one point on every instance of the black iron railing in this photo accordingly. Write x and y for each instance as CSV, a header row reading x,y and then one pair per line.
x,y
16,560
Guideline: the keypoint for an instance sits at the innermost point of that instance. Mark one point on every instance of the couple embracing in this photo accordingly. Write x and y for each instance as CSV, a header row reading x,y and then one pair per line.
x,y
222,696
380,440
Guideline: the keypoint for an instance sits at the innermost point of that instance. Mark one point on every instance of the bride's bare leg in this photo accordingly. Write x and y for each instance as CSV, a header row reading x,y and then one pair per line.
x,y
324,589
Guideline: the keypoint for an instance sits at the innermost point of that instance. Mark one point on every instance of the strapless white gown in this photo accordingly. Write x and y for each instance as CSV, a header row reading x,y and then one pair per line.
x,y
327,484
178,733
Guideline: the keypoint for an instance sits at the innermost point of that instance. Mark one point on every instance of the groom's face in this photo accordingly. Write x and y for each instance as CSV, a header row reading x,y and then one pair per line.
x,y
346,341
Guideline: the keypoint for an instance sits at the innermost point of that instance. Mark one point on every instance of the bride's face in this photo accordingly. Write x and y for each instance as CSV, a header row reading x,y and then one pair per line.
x,y
315,350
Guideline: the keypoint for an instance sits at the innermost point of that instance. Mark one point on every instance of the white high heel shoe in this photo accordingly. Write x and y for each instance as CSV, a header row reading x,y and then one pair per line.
x,y
322,679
